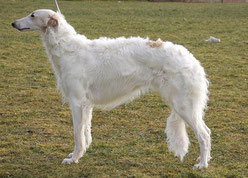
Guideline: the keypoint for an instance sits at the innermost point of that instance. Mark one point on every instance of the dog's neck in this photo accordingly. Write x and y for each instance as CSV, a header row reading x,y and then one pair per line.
x,y
54,41
56,38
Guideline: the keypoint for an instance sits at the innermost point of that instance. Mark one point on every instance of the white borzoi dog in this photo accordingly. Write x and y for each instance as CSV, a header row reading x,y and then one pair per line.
x,y
105,73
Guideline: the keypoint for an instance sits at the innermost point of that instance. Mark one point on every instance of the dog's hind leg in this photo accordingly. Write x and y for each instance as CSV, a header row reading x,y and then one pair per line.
x,y
177,137
191,113
209,149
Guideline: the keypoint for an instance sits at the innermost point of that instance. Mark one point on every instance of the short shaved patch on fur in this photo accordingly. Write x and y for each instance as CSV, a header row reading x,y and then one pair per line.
x,y
155,44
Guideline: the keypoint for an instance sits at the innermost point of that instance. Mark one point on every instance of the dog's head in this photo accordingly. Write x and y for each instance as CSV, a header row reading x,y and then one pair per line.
x,y
38,20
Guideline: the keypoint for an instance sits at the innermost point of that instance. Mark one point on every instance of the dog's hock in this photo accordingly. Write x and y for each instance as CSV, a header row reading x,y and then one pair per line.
x,y
154,44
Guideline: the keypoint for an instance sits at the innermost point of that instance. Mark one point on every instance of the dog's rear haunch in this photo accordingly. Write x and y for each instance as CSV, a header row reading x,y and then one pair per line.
x,y
105,73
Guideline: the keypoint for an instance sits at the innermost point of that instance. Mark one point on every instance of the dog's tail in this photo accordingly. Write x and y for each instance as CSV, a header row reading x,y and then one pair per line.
x,y
177,137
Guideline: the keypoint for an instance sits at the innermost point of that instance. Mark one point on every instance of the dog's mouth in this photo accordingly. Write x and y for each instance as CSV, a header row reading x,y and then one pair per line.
x,y
23,29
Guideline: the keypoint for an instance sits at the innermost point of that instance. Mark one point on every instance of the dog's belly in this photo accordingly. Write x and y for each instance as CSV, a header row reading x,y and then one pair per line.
x,y
108,94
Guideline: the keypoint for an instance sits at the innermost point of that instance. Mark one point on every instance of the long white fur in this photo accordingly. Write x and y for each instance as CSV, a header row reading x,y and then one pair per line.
x,y
106,72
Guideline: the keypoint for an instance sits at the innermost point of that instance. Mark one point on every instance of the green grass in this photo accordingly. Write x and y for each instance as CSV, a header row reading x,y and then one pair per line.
x,y
36,129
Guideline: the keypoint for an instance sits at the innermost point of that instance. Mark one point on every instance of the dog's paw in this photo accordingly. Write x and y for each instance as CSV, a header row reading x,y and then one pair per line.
x,y
69,161
200,166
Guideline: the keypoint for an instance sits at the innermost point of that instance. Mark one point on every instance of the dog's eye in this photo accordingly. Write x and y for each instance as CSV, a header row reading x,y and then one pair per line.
x,y
32,15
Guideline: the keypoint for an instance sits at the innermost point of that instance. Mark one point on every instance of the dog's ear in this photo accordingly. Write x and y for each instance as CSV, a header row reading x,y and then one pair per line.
x,y
53,20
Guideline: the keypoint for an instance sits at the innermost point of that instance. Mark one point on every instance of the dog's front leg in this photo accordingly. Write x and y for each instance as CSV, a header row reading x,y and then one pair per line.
x,y
79,137
86,116
87,113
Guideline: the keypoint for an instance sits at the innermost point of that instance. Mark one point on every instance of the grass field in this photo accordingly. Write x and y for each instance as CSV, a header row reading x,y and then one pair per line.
x,y
36,129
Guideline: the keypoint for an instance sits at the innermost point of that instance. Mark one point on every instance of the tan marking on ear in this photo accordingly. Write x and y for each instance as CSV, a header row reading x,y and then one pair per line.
x,y
54,20
154,44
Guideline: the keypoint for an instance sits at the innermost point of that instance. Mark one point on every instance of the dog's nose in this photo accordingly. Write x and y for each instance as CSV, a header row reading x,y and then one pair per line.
x,y
13,24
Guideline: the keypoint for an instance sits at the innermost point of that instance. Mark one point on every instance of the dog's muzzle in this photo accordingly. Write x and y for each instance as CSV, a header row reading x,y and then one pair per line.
x,y
20,29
